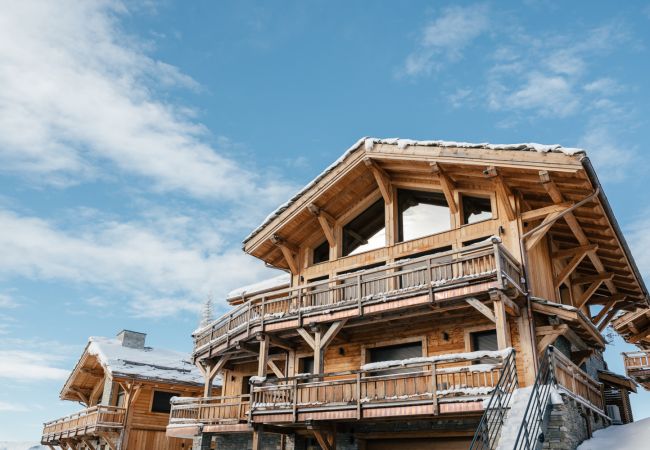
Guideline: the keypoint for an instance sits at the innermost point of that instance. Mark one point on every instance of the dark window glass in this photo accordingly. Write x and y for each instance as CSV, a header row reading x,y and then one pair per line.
x,y
161,400
421,214
476,209
485,340
306,365
395,353
365,232
322,253
246,385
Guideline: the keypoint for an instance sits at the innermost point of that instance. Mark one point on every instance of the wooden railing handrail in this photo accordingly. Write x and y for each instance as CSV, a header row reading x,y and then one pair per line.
x,y
579,376
244,314
86,412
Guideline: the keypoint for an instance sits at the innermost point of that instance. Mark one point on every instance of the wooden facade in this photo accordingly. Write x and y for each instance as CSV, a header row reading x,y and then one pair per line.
x,y
122,406
518,250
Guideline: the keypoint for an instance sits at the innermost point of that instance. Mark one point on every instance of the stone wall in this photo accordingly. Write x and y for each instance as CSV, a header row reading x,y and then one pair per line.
x,y
569,424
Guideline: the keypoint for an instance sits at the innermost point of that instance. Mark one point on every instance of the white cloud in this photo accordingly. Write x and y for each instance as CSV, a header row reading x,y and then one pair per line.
x,y
22,365
7,301
79,93
164,264
444,38
610,156
12,407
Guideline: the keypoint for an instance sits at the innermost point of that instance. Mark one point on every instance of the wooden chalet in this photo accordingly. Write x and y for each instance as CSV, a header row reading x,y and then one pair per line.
x,y
126,389
425,279
634,327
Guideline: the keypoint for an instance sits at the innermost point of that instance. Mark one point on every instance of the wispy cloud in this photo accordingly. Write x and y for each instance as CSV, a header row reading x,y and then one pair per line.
x,y
444,38
19,365
164,264
7,301
79,93
12,407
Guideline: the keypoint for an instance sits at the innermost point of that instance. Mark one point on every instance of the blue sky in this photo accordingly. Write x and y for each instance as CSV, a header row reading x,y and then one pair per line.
x,y
140,142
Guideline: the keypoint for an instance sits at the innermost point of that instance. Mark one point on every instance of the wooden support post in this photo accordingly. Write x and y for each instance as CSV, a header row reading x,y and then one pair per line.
x,y
88,444
318,351
546,225
502,327
257,437
109,440
289,252
276,370
326,440
570,267
263,356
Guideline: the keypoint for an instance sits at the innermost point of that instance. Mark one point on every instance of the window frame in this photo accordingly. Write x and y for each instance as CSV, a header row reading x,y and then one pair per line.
x,y
479,194
153,394
397,216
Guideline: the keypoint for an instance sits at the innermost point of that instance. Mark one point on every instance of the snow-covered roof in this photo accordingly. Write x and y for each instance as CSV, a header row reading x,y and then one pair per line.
x,y
276,282
369,142
146,363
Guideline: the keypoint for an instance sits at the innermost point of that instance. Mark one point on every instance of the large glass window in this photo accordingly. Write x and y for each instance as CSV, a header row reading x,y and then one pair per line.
x,y
476,209
322,253
485,340
421,213
365,232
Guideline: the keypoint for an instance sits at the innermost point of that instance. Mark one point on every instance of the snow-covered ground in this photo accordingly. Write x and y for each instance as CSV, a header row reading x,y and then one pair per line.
x,y
633,436
12,445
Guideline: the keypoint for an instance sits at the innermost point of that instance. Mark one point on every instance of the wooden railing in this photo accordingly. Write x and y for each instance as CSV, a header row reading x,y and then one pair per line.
x,y
82,422
555,371
418,275
209,410
573,379
635,361
432,381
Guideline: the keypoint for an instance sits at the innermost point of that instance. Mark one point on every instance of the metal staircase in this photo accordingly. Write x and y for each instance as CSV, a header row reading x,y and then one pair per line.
x,y
489,428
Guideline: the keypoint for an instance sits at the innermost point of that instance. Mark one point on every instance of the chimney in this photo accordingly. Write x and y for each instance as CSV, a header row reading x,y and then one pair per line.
x,y
131,339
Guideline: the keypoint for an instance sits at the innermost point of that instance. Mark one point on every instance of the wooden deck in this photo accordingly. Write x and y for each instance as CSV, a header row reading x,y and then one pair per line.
x,y
637,367
429,279
89,422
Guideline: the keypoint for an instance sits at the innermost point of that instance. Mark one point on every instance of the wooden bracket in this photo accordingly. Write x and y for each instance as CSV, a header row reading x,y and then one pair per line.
x,y
570,267
447,185
591,290
511,307
503,191
326,439
480,307
289,252
276,370
541,213
326,222
382,179
570,252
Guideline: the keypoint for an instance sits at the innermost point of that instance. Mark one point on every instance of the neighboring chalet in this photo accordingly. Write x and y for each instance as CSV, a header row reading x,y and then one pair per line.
x,y
126,389
635,329
426,282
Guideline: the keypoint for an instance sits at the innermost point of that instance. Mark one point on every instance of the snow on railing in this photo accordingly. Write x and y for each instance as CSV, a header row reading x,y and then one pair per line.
x,y
208,410
429,381
639,360
418,275
95,416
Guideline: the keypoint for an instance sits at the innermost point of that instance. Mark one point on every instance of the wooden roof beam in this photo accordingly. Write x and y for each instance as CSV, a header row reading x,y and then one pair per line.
x,y
603,276
503,191
289,252
541,213
569,252
447,185
382,179
586,295
557,197
639,336
326,222
545,226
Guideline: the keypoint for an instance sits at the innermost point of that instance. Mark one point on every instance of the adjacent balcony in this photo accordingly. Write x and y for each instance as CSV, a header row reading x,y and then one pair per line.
x,y
89,422
425,280
424,387
637,367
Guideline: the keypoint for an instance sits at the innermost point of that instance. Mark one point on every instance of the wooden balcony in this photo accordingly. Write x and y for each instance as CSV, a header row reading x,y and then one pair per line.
x,y
210,414
425,280
637,367
417,387
89,422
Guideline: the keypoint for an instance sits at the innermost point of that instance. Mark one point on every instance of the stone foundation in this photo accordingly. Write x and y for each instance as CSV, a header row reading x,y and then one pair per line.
x,y
569,424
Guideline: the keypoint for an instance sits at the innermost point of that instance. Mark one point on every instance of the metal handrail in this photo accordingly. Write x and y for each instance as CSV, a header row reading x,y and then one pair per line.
x,y
530,432
489,428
